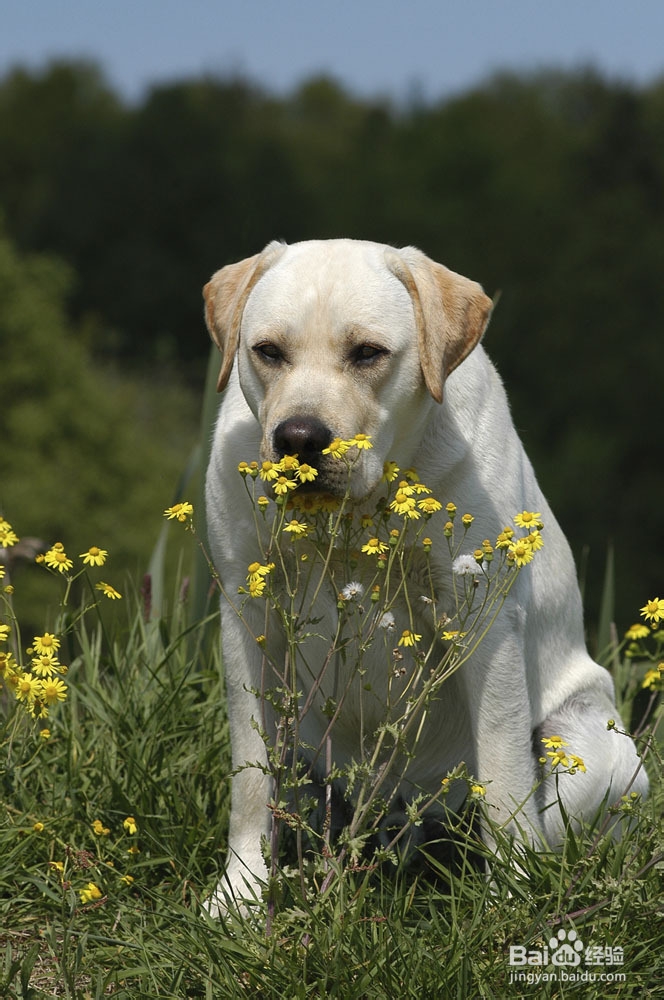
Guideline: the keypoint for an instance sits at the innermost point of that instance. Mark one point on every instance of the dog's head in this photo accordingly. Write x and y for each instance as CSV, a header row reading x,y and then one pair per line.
x,y
339,337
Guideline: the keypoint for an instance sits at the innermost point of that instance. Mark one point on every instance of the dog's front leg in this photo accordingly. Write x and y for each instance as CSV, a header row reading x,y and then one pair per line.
x,y
500,713
251,790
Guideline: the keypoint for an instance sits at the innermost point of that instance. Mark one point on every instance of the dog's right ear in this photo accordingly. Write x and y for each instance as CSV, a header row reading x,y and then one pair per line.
x,y
225,295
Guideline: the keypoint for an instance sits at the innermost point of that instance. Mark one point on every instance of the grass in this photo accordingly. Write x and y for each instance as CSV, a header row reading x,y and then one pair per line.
x,y
143,735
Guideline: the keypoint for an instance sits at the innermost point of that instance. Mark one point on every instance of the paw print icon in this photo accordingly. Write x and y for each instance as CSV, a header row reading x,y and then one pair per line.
x,y
566,948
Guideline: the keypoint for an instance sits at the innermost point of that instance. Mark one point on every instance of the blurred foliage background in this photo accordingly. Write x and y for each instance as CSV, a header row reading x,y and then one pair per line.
x,y
548,188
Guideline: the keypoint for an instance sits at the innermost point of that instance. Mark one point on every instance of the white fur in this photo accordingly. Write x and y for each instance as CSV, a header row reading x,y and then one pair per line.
x,y
532,674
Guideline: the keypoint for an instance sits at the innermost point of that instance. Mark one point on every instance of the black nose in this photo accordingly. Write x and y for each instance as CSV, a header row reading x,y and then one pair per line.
x,y
302,436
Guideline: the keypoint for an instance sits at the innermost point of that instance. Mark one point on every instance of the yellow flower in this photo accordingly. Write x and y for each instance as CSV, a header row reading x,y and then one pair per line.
x,y
46,643
374,547
297,528
467,520
477,789
362,441
45,665
289,463
4,633
527,519
282,485
306,473
535,540
452,636
56,558
99,829
180,511
403,503
7,536
637,631
90,893
558,757
390,472
53,690
269,471
337,448
429,505
94,556
28,688
45,734
653,678
127,879
108,591
408,638
576,764
38,827
653,610
554,742
130,825
521,552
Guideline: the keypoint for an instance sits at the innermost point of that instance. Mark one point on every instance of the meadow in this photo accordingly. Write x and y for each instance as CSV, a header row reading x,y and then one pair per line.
x,y
114,763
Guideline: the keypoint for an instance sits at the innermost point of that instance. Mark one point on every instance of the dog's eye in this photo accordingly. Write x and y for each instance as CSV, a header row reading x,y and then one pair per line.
x,y
269,351
366,353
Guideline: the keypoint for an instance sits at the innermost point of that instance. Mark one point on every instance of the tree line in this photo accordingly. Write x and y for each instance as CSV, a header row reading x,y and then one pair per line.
x,y
547,188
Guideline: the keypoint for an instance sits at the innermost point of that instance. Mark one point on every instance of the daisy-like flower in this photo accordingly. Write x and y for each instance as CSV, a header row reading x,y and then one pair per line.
x,y
298,529
362,441
477,789
521,552
8,666
554,742
46,643
306,473
504,539
408,638
94,556
289,463
179,511
467,520
130,825
269,471
390,472
45,665
528,519
653,610
4,632
653,678
56,558
535,540
281,485
464,565
99,829
108,591
576,764
352,590
452,635
28,688
374,547
638,631
53,690
429,505
403,503
91,893
7,535
558,758
337,448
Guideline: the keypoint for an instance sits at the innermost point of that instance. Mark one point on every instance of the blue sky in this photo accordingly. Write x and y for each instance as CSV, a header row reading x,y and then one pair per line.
x,y
435,47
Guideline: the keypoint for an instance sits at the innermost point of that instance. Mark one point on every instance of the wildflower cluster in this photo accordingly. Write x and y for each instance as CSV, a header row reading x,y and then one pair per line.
x,y
645,644
370,555
558,759
36,678
96,871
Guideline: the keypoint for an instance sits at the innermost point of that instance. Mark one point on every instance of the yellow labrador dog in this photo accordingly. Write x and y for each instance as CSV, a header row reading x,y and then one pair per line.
x,y
327,339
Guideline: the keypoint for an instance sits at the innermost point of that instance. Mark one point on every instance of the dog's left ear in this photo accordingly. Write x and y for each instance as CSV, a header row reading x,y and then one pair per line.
x,y
451,312
226,295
